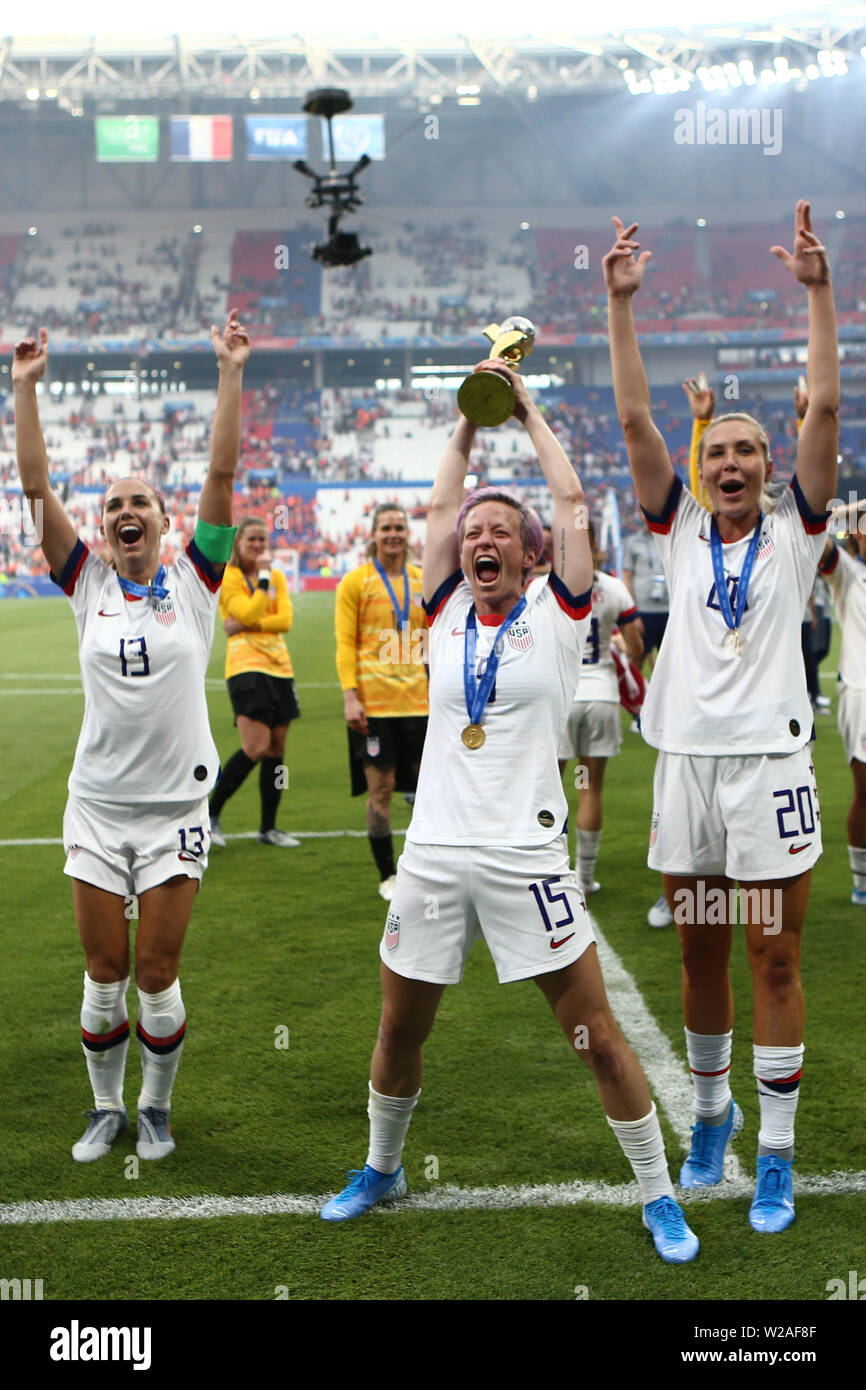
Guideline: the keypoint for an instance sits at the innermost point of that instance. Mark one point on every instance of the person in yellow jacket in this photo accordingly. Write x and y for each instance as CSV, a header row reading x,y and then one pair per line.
x,y
256,612
381,654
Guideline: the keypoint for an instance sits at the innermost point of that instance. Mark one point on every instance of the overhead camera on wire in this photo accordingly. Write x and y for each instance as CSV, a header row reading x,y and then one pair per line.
x,y
339,192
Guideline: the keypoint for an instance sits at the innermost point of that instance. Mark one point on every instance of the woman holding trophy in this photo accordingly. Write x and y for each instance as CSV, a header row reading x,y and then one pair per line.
x,y
486,843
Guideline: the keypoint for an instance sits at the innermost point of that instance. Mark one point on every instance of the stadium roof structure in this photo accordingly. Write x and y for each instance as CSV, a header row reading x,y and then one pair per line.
x,y
200,70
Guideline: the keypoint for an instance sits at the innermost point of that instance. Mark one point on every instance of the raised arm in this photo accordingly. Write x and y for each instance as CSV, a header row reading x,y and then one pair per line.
x,y
647,452
55,531
232,348
818,446
702,402
440,546
571,554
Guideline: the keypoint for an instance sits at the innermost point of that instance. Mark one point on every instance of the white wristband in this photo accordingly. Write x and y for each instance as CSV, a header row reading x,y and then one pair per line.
x,y
264,574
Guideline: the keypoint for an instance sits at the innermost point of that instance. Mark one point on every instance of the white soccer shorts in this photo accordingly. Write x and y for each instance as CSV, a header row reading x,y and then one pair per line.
x,y
748,818
852,722
594,730
524,902
127,849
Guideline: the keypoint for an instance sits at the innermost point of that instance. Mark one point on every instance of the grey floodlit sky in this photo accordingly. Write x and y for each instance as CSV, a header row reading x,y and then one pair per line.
x,y
430,19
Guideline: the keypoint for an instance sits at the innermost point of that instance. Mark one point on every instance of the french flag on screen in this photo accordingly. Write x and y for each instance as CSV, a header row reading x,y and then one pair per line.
x,y
201,137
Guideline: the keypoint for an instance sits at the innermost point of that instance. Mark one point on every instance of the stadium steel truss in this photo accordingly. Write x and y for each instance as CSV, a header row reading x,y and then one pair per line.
x,y
76,72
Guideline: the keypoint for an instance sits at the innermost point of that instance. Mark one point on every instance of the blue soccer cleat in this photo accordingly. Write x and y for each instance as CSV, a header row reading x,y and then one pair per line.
x,y
671,1236
366,1189
858,897
705,1163
105,1126
772,1208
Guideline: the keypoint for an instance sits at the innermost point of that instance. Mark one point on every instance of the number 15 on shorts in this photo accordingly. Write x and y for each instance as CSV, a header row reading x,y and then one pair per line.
x,y
545,897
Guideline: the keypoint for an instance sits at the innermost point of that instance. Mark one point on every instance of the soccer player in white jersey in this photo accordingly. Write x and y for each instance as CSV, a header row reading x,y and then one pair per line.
x,y
136,823
728,710
486,841
846,574
594,729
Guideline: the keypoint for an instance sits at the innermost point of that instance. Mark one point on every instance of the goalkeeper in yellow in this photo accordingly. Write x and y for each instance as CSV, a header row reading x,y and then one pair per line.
x,y
256,612
381,654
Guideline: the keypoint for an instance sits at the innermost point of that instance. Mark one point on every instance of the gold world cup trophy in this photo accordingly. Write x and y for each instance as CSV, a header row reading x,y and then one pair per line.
x,y
485,397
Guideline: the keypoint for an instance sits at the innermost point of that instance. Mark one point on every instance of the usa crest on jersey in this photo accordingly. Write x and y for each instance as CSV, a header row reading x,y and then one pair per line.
x,y
163,611
520,635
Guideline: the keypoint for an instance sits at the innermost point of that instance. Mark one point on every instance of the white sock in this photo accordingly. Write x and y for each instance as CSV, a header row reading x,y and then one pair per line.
x,y
641,1142
710,1064
778,1071
587,853
389,1123
161,1027
105,1040
857,860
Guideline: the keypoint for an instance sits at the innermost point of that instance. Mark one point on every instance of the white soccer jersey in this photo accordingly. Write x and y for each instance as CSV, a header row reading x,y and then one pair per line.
x,y
612,605
507,792
704,699
847,579
145,735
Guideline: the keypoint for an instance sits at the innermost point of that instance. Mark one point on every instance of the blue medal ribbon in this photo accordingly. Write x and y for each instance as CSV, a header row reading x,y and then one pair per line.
x,y
733,621
478,695
401,615
156,588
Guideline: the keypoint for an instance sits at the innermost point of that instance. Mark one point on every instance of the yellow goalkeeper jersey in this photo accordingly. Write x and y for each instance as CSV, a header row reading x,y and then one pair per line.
x,y
385,666
268,614
699,429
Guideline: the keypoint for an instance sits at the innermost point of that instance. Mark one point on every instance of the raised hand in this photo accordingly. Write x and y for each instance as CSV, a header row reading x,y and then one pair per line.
x,y
801,398
623,271
30,359
701,398
233,344
523,402
808,263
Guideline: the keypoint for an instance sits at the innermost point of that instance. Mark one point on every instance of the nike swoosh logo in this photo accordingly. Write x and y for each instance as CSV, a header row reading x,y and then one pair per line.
x,y
103,614
555,944
796,849
458,632
189,858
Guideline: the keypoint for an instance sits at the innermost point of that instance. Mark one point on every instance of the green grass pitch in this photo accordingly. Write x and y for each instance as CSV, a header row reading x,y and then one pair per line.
x,y
287,940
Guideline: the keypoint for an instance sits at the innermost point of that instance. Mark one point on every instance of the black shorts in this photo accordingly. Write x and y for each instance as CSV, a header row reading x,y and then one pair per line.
x,y
269,700
396,741
654,625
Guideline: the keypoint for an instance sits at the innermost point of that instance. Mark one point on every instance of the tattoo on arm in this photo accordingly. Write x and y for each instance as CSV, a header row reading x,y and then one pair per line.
x,y
562,551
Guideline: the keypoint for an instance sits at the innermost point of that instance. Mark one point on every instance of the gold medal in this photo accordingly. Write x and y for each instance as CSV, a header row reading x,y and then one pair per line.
x,y
473,736
736,641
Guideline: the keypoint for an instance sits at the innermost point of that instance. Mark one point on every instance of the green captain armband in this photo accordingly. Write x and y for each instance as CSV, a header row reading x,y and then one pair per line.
x,y
215,542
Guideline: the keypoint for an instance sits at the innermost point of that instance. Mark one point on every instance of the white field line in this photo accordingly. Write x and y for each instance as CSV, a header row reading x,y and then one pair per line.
x,y
666,1073
667,1076
446,1198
